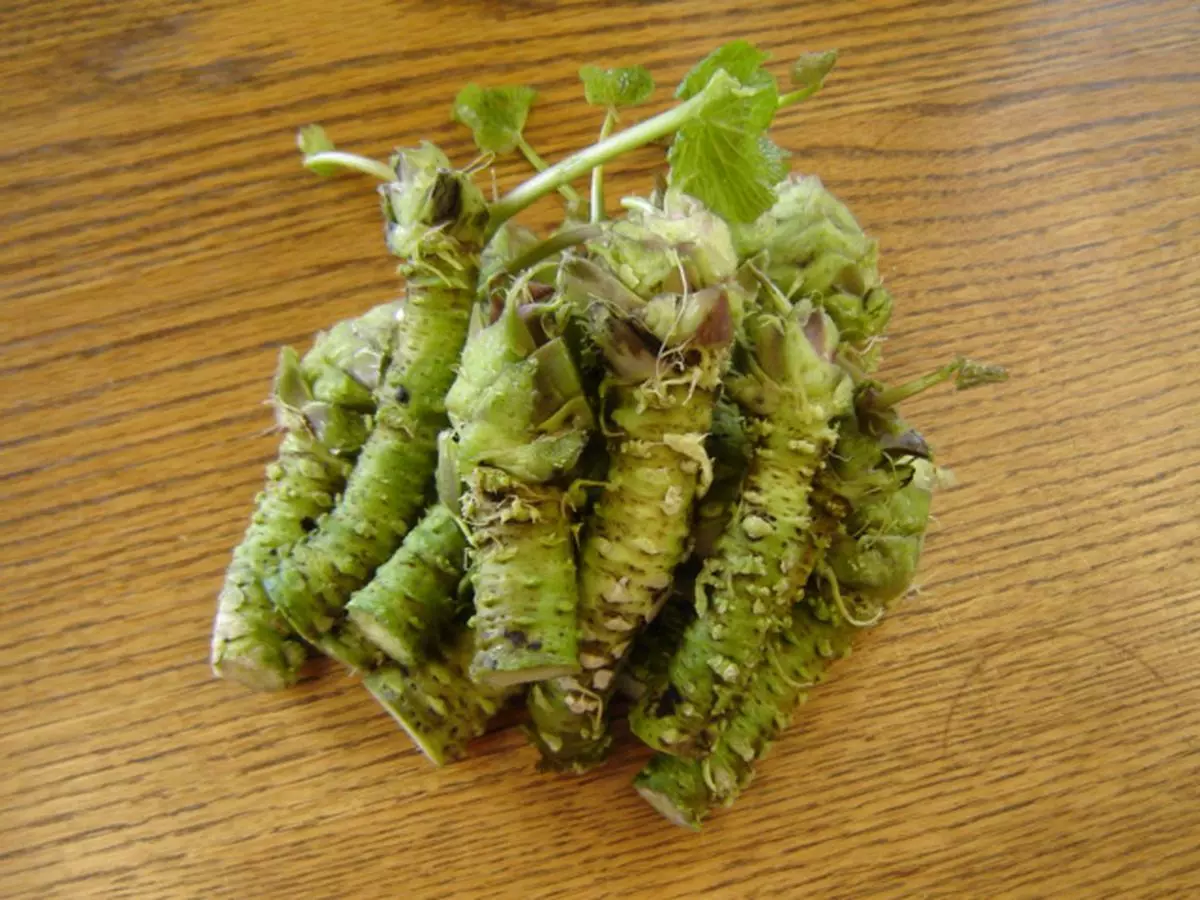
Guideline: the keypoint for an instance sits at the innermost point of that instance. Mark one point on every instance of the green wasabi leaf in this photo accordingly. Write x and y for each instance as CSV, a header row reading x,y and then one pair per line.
x,y
722,158
616,88
776,158
496,116
739,58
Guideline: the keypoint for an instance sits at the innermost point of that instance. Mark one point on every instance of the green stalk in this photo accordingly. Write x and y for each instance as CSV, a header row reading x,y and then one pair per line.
x,y
792,394
435,701
324,402
414,595
435,217
521,422
793,97
333,160
582,162
597,211
556,243
685,790
966,374
666,343
540,165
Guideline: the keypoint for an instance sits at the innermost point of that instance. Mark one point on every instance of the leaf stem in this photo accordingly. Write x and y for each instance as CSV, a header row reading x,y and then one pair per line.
x,y
531,155
793,97
582,162
328,159
597,212
535,159
967,374
556,243
889,397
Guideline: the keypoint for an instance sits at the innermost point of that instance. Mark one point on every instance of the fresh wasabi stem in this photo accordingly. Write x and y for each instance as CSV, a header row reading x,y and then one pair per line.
x,y
548,248
612,89
521,423
496,117
582,162
322,158
808,245
719,154
435,218
965,373
323,403
435,701
597,213
413,597
686,790
792,393
663,304
540,165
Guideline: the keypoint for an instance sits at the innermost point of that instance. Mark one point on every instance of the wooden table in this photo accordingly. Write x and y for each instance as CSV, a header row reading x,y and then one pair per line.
x,y
1028,725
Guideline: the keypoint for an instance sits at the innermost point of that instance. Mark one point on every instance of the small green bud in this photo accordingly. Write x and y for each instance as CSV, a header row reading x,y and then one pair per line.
x,y
810,69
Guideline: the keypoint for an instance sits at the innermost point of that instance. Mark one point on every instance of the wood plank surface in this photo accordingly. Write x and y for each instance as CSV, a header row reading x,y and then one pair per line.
x,y
1029,725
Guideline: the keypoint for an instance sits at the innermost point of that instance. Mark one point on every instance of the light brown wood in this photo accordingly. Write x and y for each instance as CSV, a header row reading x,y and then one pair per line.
x,y
1030,725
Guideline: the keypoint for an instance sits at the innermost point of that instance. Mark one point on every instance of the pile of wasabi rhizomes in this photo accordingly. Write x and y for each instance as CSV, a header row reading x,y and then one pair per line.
x,y
642,459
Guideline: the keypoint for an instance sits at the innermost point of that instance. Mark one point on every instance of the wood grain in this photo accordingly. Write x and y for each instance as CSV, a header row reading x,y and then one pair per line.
x,y
1029,726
